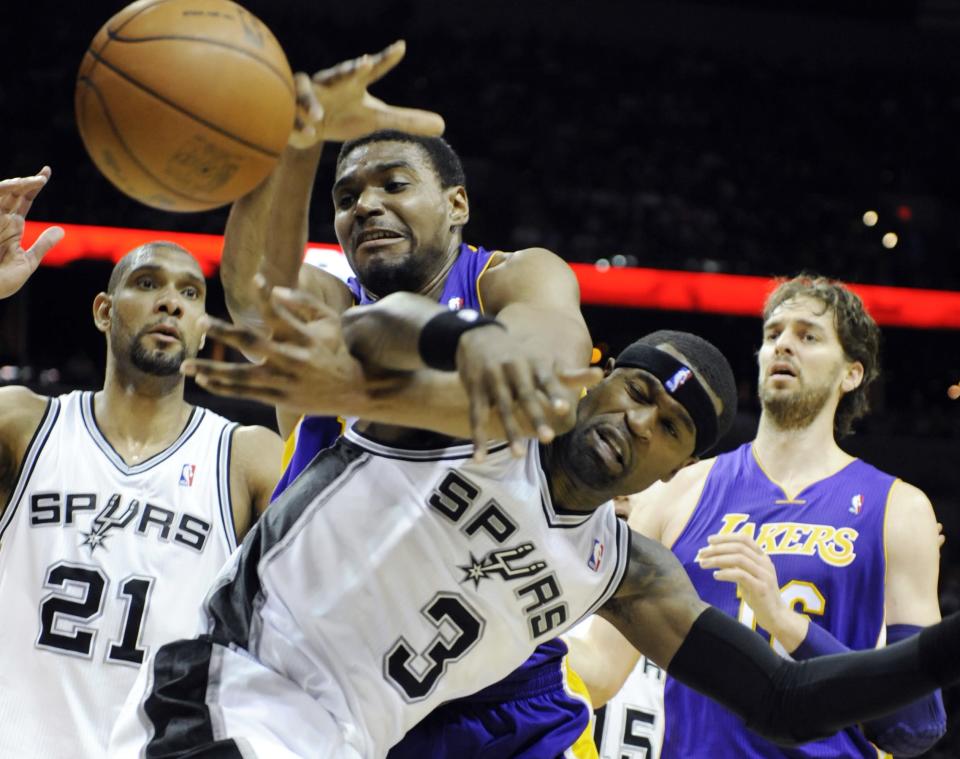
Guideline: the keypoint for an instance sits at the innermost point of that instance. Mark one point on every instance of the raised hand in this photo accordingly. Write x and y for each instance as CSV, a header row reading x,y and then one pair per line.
x,y
334,103
17,264
737,558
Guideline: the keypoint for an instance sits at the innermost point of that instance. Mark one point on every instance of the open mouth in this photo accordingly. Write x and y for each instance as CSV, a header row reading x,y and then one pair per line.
x,y
782,370
611,449
166,332
374,237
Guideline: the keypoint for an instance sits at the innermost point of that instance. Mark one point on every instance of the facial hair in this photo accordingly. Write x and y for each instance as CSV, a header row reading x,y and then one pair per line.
x,y
411,273
153,362
794,411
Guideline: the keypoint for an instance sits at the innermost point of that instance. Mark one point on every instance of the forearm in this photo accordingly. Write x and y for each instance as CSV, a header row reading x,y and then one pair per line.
x,y
601,657
266,233
792,702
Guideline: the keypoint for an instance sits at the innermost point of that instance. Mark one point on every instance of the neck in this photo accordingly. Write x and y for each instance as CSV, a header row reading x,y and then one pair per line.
x,y
433,289
141,409
801,455
564,490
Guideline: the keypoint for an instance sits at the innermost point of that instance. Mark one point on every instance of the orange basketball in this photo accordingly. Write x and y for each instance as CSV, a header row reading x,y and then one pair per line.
x,y
184,105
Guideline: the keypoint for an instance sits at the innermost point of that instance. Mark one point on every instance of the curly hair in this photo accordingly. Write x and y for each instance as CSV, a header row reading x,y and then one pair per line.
x,y
858,333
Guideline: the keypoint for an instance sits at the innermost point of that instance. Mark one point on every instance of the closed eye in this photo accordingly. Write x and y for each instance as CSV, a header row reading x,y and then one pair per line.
x,y
395,186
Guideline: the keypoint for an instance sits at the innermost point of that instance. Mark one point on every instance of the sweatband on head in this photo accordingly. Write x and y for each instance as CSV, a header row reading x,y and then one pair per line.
x,y
441,335
681,384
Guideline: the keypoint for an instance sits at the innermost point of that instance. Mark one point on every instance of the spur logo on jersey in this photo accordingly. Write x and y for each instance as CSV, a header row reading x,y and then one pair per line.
x,y
186,475
458,500
856,504
596,556
501,563
833,545
144,520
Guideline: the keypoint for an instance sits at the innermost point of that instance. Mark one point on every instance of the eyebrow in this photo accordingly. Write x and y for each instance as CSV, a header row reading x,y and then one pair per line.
x,y
377,168
804,322
148,268
659,390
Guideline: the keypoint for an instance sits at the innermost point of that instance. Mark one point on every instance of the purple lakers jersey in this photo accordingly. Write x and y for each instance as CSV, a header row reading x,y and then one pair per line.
x,y
461,290
827,547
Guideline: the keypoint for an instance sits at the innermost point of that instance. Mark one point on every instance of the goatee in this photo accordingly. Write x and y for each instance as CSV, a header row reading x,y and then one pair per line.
x,y
797,410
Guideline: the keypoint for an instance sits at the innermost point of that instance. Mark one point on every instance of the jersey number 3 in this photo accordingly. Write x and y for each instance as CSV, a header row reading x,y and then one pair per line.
x,y
77,599
458,629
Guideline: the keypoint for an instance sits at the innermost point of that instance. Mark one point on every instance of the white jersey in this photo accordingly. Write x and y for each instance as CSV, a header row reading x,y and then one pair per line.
x,y
630,725
383,583
100,563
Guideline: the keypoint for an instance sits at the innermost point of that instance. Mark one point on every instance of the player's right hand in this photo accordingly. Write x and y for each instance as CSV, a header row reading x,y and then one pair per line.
x,y
17,264
334,103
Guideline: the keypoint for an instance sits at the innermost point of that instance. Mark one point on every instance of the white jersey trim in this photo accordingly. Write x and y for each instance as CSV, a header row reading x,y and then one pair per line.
x,y
224,495
461,451
90,422
40,435
616,578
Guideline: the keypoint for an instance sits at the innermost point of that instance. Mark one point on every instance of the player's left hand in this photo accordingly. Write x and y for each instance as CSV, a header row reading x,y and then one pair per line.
x,y
17,264
334,103
303,364
738,558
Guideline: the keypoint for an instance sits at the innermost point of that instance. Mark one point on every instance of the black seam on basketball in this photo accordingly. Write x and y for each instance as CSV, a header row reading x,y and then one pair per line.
x,y
110,32
218,43
120,140
181,109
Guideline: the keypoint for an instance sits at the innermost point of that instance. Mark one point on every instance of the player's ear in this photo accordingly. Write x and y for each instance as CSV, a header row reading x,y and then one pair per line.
x,y
853,377
459,206
609,367
102,305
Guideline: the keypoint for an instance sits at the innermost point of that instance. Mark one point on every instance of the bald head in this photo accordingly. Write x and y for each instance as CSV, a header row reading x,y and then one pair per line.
x,y
139,255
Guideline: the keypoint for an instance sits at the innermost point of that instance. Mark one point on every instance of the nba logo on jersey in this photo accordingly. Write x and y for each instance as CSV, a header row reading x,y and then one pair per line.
x,y
596,556
455,304
856,504
681,376
186,475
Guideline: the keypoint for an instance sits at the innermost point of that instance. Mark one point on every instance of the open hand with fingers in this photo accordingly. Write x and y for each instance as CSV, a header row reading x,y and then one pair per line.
x,y
302,363
523,391
334,103
17,264
738,558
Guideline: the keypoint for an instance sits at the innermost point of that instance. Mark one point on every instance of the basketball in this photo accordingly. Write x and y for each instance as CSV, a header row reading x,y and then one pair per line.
x,y
184,105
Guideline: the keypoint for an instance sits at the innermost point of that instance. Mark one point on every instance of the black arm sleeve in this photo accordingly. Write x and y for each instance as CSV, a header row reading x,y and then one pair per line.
x,y
793,702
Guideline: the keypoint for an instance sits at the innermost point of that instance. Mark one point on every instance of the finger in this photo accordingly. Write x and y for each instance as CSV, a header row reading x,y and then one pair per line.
x,y
353,67
306,97
271,396
244,339
586,377
412,120
44,243
479,419
305,306
732,575
555,390
386,59
499,390
529,400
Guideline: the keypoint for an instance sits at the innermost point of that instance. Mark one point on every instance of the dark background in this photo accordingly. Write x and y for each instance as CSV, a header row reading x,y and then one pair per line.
x,y
745,137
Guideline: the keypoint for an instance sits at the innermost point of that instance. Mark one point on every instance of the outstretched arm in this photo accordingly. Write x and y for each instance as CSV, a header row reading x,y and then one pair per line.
x,y
311,370
17,264
785,701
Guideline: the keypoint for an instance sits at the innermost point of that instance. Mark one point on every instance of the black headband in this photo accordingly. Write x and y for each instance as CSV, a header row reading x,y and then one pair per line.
x,y
681,383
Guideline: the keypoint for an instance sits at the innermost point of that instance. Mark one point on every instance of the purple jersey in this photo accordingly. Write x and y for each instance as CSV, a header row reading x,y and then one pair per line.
x,y
827,547
461,290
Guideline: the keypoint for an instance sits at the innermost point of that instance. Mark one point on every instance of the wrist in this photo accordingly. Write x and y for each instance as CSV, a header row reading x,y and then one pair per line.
x,y
791,629
817,642
440,336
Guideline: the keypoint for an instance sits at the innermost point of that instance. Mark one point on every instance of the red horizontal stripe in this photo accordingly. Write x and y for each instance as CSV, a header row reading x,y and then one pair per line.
x,y
626,287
